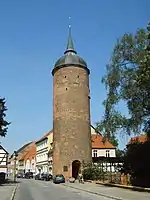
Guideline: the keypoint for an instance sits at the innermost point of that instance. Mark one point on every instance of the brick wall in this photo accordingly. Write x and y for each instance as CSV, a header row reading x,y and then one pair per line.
x,y
71,103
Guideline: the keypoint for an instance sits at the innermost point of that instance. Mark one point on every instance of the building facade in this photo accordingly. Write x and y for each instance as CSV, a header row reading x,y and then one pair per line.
x,y
19,159
3,160
42,148
27,162
103,151
71,113
101,148
50,152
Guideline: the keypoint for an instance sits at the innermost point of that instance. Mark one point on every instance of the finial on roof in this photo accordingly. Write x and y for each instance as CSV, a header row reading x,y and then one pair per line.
x,y
70,47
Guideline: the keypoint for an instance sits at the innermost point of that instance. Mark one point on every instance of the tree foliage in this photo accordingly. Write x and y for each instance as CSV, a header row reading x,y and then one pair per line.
x,y
3,122
127,79
137,163
92,172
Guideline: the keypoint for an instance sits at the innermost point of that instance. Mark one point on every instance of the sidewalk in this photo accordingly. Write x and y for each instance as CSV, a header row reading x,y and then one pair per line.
x,y
109,192
135,188
7,190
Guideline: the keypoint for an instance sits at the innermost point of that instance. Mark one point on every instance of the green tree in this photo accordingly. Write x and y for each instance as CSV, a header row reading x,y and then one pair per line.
x,y
127,79
92,172
137,163
3,122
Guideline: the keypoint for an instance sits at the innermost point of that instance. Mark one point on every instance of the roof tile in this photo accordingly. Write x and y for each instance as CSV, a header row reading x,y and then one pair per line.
x,y
98,143
141,139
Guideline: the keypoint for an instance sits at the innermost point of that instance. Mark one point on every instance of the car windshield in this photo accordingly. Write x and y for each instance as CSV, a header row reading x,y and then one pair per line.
x,y
60,175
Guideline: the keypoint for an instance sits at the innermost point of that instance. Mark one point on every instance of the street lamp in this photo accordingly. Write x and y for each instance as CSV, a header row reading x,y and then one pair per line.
x,y
15,158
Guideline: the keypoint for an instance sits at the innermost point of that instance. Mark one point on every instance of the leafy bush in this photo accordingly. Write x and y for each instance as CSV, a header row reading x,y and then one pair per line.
x,y
92,172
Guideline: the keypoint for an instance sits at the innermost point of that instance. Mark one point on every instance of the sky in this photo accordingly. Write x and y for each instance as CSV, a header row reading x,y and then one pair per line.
x,y
33,35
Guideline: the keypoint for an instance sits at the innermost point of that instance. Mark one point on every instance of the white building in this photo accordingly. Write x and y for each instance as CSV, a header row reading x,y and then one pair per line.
x,y
50,152
101,148
3,160
42,149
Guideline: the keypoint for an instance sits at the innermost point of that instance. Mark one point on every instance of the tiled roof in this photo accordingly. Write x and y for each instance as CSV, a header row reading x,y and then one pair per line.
x,y
23,147
29,153
24,152
141,139
44,137
98,143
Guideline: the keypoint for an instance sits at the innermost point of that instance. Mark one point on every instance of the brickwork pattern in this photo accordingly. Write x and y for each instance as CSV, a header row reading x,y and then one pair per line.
x,y
71,115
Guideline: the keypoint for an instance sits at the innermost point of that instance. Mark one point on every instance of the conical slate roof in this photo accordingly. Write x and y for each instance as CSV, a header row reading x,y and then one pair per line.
x,y
70,57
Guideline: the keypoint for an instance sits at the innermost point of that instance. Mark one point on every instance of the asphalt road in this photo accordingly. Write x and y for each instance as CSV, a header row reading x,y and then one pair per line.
x,y
40,190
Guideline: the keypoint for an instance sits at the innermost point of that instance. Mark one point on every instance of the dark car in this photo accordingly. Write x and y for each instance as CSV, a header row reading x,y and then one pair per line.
x,y
29,175
59,178
38,176
2,177
46,176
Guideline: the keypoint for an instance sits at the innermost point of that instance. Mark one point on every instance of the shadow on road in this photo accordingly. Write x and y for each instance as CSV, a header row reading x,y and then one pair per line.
x,y
8,182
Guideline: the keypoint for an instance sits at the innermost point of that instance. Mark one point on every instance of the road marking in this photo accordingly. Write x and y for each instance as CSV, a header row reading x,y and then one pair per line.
x,y
46,186
14,192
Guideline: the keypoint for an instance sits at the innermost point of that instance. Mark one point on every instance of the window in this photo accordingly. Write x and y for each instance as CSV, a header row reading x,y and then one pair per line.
x,y
66,88
65,168
89,94
107,153
95,153
65,76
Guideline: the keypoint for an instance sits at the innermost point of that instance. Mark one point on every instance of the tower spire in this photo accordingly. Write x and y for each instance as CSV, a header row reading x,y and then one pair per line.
x,y
70,46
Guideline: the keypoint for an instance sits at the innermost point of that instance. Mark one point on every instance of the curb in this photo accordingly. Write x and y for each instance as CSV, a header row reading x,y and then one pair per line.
x,y
140,189
14,192
126,187
97,193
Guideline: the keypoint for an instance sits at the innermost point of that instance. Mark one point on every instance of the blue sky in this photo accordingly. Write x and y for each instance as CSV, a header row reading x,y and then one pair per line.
x,y
33,35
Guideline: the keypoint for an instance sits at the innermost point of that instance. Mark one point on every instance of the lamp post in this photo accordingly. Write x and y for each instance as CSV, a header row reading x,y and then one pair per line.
x,y
15,158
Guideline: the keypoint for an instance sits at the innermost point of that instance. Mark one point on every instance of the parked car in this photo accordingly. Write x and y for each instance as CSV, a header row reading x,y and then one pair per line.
x,y
29,175
38,176
59,178
46,176
19,175
2,177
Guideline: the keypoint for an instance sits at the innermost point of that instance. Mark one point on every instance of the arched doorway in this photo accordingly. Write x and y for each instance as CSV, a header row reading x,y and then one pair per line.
x,y
75,168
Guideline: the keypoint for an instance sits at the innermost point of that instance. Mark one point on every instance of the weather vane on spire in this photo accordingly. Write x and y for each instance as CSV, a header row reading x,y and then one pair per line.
x,y
69,22
69,27
70,47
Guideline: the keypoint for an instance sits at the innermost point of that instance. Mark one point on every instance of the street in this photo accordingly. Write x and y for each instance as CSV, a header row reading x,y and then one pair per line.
x,y
40,190
37,190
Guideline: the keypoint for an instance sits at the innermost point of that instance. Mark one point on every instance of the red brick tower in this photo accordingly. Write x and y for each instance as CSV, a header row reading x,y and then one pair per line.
x,y
71,113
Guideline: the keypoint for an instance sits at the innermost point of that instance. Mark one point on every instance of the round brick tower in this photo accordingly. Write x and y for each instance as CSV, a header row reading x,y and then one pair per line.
x,y
71,113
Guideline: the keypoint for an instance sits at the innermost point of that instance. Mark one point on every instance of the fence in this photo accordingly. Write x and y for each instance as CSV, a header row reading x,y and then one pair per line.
x,y
107,170
116,178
